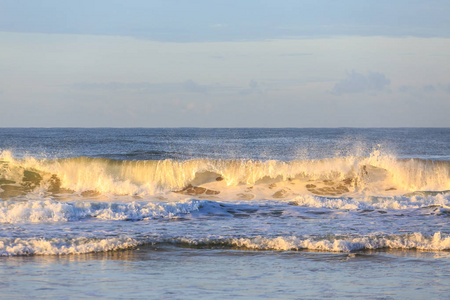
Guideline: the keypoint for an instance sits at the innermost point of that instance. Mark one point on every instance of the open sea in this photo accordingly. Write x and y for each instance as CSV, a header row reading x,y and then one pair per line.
x,y
195,213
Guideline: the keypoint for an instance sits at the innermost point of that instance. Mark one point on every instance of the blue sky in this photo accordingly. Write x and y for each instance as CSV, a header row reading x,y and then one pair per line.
x,y
225,63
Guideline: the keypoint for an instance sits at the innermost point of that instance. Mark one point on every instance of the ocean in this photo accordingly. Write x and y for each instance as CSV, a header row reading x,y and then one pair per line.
x,y
190,213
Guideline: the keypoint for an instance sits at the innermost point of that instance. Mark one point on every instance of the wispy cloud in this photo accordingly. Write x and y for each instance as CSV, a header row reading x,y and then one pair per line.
x,y
424,89
447,88
359,83
188,86
253,87
296,54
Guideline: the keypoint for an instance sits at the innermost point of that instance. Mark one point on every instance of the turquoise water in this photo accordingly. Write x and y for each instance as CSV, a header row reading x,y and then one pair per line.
x,y
224,213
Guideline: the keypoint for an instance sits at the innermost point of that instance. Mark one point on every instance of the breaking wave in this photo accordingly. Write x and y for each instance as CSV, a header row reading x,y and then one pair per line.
x,y
82,245
42,246
414,241
373,175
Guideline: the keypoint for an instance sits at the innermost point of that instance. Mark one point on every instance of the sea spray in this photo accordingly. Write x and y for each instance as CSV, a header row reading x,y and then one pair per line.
x,y
375,174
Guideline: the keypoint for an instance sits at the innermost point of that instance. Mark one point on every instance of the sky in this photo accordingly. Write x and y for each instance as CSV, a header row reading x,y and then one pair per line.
x,y
265,63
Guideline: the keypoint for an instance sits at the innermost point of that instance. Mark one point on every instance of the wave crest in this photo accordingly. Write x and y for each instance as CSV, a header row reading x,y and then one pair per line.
x,y
414,241
373,175
82,245
41,246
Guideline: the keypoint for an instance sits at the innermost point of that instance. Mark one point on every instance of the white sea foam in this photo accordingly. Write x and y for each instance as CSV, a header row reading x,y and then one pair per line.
x,y
81,245
415,241
396,202
54,211
41,246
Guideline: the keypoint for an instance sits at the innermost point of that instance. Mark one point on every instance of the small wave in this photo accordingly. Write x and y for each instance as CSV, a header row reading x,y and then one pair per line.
x,y
54,211
82,245
396,202
414,241
42,246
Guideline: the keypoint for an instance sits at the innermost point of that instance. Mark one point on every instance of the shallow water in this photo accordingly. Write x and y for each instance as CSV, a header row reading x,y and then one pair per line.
x,y
178,273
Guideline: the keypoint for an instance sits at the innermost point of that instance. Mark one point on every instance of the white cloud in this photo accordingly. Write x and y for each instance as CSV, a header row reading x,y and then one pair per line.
x,y
360,83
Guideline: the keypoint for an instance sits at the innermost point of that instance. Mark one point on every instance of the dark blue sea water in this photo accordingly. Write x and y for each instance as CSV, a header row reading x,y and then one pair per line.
x,y
247,143
220,213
